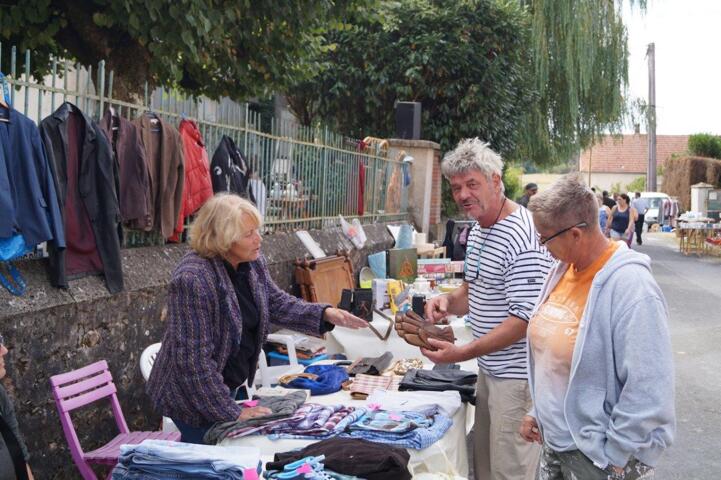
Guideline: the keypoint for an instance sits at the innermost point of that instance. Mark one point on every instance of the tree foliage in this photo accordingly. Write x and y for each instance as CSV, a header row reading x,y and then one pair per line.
x,y
580,64
211,47
705,145
538,79
638,184
466,62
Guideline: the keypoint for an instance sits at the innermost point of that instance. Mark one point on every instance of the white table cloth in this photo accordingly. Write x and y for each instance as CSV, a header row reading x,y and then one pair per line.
x,y
448,456
364,343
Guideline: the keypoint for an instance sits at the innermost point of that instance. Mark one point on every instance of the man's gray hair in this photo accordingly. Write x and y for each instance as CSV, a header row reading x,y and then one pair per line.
x,y
567,202
472,154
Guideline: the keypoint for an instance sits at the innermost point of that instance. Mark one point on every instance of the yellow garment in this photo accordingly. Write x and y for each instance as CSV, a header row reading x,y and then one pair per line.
x,y
395,287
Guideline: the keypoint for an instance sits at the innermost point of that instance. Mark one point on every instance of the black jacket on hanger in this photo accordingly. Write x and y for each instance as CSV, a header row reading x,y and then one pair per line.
x,y
229,170
66,132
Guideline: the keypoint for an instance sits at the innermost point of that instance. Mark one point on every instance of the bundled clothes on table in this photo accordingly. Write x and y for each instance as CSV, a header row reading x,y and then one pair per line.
x,y
282,406
311,468
408,429
401,429
309,421
352,456
319,421
319,379
363,385
370,365
448,402
161,459
441,380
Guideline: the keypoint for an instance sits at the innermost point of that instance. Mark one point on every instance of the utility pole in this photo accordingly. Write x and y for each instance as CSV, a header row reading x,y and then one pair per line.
x,y
651,169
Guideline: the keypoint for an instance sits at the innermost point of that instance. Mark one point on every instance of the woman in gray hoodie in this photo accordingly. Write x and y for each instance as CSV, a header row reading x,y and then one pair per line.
x,y
600,363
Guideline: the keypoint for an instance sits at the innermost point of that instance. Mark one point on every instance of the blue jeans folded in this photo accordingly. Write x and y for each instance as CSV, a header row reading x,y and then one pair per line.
x,y
174,460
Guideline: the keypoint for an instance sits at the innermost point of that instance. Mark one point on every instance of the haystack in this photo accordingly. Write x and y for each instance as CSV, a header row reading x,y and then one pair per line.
x,y
682,172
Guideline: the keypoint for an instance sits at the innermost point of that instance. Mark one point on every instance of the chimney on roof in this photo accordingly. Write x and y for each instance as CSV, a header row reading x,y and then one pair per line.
x,y
637,128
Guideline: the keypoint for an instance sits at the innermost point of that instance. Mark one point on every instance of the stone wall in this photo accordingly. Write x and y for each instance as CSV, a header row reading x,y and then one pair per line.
x,y
49,331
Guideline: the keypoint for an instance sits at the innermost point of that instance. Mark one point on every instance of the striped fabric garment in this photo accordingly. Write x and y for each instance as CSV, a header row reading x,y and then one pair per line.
x,y
505,269
336,424
311,420
364,385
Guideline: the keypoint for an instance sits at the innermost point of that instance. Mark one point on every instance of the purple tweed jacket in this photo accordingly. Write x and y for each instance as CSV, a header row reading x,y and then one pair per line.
x,y
204,326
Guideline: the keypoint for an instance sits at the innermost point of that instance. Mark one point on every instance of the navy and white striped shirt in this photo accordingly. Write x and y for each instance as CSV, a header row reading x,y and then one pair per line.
x,y
505,269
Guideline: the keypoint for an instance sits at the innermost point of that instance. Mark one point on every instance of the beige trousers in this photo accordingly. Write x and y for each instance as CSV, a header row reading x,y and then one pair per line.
x,y
499,452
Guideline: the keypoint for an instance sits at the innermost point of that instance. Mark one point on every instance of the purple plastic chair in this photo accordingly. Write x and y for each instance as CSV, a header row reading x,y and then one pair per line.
x,y
81,387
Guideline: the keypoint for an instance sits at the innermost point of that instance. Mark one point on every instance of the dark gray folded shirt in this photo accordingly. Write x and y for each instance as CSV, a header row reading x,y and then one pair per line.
x,y
282,406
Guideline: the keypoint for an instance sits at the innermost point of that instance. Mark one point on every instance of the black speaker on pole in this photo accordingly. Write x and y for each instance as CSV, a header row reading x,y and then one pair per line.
x,y
408,120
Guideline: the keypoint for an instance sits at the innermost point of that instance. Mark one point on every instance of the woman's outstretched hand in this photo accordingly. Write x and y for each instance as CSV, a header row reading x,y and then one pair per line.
x,y
339,317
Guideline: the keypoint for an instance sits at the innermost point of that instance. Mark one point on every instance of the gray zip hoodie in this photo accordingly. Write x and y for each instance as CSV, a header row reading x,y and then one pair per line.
x,y
620,398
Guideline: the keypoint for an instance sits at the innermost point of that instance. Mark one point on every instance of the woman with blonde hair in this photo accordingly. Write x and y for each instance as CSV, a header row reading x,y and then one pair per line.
x,y
221,302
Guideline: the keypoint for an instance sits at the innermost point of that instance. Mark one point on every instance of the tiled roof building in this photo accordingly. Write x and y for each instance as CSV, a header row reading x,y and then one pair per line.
x,y
622,159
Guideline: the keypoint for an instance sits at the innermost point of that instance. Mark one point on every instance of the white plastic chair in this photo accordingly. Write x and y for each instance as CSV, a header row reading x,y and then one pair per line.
x,y
270,375
147,360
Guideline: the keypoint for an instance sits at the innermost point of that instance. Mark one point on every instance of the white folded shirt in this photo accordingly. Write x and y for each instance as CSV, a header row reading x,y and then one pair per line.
x,y
448,402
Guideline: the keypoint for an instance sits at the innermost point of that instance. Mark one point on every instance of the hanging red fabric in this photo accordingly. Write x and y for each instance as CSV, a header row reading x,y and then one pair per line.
x,y
198,187
361,187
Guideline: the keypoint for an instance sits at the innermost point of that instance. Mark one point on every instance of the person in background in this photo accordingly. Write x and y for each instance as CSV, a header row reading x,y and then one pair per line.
x,y
604,213
600,365
641,206
608,201
13,452
503,272
623,218
530,190
221,302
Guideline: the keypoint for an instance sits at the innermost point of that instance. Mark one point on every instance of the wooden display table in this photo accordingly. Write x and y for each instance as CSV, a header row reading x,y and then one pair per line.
x,y
692,236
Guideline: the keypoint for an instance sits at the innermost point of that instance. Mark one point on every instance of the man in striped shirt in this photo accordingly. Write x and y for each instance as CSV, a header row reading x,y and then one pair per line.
x,y
505,267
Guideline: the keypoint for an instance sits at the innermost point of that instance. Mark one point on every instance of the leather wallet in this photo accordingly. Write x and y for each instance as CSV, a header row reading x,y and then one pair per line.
x,y
415,330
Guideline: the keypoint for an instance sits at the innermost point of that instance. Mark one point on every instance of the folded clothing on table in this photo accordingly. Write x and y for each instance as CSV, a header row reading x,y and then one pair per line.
x,y
308,468
318,421
363,385
161,459
448,402
281,406
440,380
370,365
352,456
309,421
328,379
401,367
406,429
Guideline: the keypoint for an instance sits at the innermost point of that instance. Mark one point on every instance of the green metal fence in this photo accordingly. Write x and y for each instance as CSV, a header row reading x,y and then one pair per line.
x,y
310,174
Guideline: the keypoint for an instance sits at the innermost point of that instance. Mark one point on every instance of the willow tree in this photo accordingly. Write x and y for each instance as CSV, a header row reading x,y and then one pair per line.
x,y
580,65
